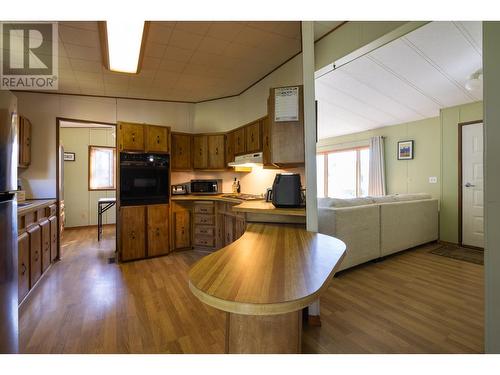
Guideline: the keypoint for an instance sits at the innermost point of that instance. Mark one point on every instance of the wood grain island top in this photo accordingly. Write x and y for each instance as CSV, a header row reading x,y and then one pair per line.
x,y
271,269
33,205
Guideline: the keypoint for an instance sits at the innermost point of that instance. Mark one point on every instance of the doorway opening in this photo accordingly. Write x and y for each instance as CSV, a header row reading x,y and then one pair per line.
x,y
86,175
471,184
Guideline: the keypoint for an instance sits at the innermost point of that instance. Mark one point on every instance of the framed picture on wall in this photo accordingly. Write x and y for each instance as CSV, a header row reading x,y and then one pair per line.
x,y
405,150
69,156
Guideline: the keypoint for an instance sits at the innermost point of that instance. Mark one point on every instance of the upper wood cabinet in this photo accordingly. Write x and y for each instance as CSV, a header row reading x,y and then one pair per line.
x,y
132,232
181,152
158,229
266,143
239,141
229,147
131,136
216,152
200,152
157,139
24,130
253,137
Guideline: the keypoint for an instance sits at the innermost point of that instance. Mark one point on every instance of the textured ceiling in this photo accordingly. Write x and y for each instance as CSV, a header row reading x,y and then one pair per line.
x,y
183,61
409,79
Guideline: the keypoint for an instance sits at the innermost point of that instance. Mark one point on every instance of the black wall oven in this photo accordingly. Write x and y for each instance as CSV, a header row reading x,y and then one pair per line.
x,y
144,178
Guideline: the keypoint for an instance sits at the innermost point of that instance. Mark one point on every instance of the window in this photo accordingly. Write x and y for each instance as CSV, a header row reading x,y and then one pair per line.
x,y
343,174
102,164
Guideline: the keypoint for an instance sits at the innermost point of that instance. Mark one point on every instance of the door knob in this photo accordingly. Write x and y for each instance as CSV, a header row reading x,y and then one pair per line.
x,y
468,184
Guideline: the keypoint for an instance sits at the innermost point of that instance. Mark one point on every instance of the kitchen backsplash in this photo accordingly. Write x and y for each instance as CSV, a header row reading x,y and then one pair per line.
x,y
255,182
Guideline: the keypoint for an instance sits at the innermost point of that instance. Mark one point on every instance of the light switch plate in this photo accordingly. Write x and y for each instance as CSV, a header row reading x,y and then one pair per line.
x,y
433,180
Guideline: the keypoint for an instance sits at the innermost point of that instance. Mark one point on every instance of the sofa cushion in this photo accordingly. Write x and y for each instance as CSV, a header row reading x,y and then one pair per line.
x,y
384,199
411,197
351,202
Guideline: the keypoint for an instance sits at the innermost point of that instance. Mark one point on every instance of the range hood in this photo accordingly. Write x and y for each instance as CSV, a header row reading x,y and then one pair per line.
x,y
248,160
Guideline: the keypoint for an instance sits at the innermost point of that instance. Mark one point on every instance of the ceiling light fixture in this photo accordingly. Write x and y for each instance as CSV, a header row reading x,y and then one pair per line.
x,y
475,81
122,44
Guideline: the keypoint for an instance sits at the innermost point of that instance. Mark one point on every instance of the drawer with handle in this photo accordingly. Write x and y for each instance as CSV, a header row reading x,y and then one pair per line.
x,y
204,208
204,219
204,241
204,230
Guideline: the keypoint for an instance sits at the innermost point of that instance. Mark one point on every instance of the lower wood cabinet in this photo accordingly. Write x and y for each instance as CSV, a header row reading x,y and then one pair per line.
x,y
158,229
23,260
35,245
229,223
132,232
182,229
45,226
53,238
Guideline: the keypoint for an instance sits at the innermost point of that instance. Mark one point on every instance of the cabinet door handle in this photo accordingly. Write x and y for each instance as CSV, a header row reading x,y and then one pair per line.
x,y
251,137
132,235
180,150
267,140
217,151
24,269
36,256
158,139
158,232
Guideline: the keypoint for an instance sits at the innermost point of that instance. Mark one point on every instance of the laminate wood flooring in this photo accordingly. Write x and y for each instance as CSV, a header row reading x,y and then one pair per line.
x,y
412,302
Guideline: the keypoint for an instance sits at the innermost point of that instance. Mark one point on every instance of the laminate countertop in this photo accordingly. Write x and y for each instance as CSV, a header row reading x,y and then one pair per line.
x,y
33,205
249,206
271,269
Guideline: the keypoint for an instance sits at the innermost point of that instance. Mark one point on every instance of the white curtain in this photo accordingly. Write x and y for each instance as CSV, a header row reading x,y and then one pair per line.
x,y
376,181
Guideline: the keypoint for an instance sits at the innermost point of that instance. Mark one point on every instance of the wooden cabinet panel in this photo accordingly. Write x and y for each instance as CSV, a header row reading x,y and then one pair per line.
x,y
35,243
158,230
229,147
266,142
24,142
204,207
216,157
203,230
228,230
131,137
253,137
204,241
53,238
132,232
239,141
182,233
220,230
200,152
23,260
240,227
204,219
181,152
156,139
45,226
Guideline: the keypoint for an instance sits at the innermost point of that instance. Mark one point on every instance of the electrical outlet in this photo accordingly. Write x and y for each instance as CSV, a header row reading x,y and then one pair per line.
x,y
433,180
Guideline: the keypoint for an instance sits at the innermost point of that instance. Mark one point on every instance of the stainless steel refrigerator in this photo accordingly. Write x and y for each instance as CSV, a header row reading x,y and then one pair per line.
x,y
8,223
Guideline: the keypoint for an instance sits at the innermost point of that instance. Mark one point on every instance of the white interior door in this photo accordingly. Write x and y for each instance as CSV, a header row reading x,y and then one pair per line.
x,y
472,185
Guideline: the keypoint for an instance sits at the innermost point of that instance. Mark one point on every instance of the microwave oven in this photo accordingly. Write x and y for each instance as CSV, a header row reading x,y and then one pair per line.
x,y
206,186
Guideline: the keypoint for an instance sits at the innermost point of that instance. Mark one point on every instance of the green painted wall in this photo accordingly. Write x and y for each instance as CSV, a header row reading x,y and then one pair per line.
x,y
450,118
406,176
436,154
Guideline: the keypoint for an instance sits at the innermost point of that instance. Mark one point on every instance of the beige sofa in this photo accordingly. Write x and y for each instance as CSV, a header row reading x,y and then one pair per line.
x,y
373,227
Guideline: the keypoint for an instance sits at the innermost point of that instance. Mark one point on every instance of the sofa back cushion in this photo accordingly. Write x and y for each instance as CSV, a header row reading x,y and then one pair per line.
x,y
339,203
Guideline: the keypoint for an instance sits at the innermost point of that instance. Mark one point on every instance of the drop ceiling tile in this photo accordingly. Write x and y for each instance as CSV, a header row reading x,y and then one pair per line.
x,y
172,66
83,53
195,27
158,34
116,78
86,76
253,37
212,45
227,31
80,37
178,54
85,25
183,39
288,29
193,68
151,63
86,66
153,49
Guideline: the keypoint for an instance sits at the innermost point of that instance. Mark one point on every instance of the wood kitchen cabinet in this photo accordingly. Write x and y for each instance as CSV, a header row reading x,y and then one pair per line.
x,y
131,136
181,152
45,227
35,246
24,134
239,141
229,223
157,139
216,151
266,143
200,152
53,238
229,147
253,137
182,229
23,260
132,232
158,229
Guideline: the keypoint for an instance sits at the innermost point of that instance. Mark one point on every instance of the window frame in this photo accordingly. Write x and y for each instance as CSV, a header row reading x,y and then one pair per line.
x,y
90,168
325,154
